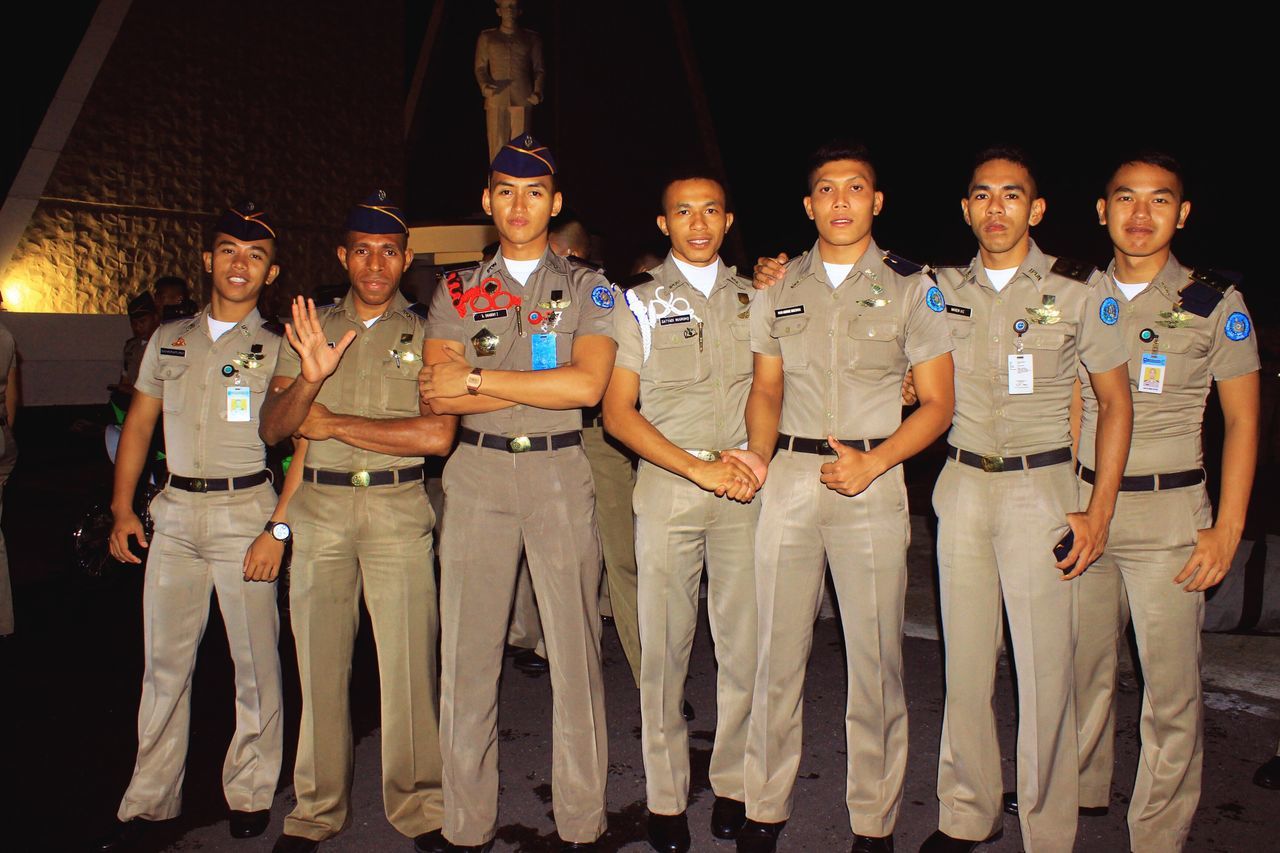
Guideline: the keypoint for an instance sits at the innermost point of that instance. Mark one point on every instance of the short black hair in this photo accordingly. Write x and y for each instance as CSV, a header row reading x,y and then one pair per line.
x,y
1012,153
839,149
551,180
1151,157
167,281
691,173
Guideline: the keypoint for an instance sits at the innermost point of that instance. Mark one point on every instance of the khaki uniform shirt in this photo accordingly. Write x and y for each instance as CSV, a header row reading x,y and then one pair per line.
x,y
509,67
692,354
1197,350
1065,328
132,360
845,350
377,378
188,370
496,319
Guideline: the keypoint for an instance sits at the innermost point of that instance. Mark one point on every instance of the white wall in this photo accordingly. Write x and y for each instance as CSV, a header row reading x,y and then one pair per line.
x,y
67,359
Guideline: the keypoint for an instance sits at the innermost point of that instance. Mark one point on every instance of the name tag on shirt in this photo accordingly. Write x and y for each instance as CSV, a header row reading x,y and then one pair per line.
x,y
238,397
1021,378
544,351
1151,379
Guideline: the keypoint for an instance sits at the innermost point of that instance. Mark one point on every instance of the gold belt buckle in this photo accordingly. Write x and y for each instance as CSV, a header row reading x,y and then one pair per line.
x,y
360,478
992,464
199,485
519,444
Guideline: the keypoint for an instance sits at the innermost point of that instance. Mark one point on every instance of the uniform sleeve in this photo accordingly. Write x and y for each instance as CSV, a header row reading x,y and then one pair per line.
x,y
443,322
1100,345
288,364
147,382
599,303
626,331
762,321
1235,346
927,334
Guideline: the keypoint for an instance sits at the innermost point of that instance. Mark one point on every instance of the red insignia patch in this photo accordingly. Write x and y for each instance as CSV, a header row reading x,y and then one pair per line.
x,y
180,342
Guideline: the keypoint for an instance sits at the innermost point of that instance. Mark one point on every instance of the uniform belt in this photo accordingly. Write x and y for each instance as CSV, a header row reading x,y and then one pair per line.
x,y
520,443
820,446
1150,482
361,479
222,484
993,463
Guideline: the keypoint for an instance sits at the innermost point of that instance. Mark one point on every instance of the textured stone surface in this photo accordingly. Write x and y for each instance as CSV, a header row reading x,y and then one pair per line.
x,y
197,106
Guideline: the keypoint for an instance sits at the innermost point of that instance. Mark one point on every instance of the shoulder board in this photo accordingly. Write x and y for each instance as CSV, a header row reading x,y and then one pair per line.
x,y
635,280
465,266
419,309
1205,290
274,327
584,263
901,265
1077,270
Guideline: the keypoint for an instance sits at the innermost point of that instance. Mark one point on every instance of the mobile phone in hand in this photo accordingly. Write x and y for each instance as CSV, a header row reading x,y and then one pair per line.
x,y
1063,548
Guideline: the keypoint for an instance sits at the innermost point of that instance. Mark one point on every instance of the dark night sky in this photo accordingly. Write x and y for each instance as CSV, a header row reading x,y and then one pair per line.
x,y
924,91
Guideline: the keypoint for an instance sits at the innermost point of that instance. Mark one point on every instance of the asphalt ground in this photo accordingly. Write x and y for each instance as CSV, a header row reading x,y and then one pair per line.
x,y
71,679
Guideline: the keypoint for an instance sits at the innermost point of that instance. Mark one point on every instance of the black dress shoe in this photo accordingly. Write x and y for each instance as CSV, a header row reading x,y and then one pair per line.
x,y
122,836
429,842
727,817
294,844
686,711
940,842
249,824
1268,775
1010,799
872,844
531,662
669,833
757,837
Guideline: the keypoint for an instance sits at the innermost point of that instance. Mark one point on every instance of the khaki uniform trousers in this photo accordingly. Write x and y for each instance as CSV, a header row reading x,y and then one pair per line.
x,y
8,458
865,540
495,503
1152,537
678,527
614,479
198,548
373,542
503,124
996,533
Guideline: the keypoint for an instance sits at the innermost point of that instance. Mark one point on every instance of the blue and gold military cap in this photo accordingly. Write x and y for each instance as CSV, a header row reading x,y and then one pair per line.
x,y
142,305
524,157
245,221
376,215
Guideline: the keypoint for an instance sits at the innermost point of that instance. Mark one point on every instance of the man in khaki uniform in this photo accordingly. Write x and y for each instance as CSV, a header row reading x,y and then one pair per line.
x,y
1183,330
208,375
684,351
509,71
1022,323
8,458
517,346
832,343
363,528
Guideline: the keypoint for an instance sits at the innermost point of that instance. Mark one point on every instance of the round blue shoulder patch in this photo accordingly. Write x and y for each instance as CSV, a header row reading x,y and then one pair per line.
x,y
934,299
1109,311
602,296
1238,326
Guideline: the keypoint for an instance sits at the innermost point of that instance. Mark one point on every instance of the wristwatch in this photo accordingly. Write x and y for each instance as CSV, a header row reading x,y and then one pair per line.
x,y
279,531
473,381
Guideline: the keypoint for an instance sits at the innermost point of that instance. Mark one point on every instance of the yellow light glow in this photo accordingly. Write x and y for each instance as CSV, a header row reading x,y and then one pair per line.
x,y
13,292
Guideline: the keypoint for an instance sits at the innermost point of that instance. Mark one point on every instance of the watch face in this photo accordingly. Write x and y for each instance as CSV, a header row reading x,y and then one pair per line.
x,y
280,531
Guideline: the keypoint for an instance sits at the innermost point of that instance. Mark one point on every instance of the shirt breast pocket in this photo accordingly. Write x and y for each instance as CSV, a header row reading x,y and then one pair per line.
x,y
674,360
741,358
1183,350
875,346
962,338
256,380
173,375
399,387
787,331
1049,349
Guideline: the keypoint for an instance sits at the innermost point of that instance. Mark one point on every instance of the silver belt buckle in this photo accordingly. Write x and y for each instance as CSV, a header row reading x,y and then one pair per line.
x,y
992,464
519,444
